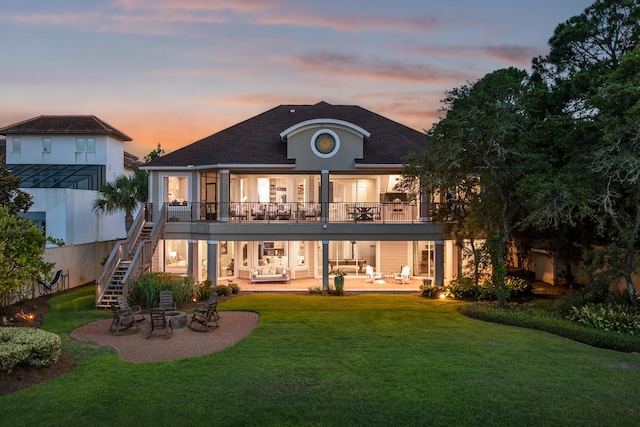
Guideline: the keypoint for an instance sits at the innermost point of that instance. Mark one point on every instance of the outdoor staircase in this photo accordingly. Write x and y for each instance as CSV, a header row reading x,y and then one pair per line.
x,y
144,234
115,288
129,259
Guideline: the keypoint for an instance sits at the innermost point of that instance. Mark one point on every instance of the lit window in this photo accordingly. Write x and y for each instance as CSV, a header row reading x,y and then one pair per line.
x,y
80,145
15,146
46,145
176,190
91,145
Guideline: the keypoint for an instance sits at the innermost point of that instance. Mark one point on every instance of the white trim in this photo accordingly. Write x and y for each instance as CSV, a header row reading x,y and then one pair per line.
x,y
219,166
332,152
290,131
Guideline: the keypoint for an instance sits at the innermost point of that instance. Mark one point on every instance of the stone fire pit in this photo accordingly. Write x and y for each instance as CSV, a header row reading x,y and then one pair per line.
x,y
177,319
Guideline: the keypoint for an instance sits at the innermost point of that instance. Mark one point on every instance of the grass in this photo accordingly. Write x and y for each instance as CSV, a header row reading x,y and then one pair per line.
x,y
357,360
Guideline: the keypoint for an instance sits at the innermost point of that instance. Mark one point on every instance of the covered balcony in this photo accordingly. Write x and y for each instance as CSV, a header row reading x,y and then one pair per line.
x,y
299,212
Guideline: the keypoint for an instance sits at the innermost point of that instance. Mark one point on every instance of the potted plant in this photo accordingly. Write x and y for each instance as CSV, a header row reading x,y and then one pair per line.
x,y
338,280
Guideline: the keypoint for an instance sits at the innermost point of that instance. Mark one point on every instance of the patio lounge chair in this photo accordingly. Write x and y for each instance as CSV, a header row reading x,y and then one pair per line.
x,y
159,321
372,276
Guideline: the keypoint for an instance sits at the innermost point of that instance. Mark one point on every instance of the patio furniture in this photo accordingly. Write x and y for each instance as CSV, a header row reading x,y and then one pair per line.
x,y
122,319
312,211
135,310
284,211
258,212
166,300
237,210
403,276
272,211
159,321
359,263
371,274
351,212
206,314
58,283
270,273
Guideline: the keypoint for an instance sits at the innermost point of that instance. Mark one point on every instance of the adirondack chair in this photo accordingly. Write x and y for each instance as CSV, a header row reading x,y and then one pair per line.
x,y
135,310
372,275
160,321
166,300
206,314
404,276
122,319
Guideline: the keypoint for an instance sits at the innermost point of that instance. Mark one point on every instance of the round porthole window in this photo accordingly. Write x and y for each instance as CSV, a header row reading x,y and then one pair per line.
x,y
325,143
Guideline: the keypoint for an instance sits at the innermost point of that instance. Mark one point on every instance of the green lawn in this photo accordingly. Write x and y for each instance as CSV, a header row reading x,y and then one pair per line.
x,y
353,360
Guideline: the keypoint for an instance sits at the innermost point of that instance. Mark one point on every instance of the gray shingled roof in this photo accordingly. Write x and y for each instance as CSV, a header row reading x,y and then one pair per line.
x,y
43,125
257,140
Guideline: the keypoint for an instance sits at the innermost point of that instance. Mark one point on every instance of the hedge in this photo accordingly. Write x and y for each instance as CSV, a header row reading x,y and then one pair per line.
x,y
29,346
565,328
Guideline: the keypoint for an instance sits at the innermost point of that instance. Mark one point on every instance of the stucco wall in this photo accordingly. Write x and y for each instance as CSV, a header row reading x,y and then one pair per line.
x,y
69,216
81,262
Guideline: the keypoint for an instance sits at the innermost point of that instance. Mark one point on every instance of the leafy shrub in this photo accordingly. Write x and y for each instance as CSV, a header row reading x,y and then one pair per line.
x,y
609,317
545,321
337,291
223,290
234,288
430,291
315,290
146,289
462,287
30,346
518,287
203,291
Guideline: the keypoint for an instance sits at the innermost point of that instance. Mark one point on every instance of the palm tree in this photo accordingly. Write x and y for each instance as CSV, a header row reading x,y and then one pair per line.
x,y
123,194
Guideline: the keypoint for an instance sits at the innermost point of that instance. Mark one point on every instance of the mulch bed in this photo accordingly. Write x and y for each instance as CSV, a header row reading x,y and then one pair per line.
x,y
25,376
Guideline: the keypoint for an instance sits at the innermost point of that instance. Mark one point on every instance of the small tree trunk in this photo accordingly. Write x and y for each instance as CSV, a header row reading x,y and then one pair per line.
x,y
128,220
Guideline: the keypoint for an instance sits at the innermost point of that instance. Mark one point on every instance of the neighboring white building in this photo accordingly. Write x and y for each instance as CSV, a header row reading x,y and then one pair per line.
x,y
63,160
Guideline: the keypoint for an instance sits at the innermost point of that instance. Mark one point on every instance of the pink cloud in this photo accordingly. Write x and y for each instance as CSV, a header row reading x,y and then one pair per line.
x,y
166,17
378,68
509,54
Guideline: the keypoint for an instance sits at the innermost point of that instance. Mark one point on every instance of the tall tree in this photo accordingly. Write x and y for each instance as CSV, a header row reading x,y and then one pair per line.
x,y
616,160
14,199
154,154
479,145
596,38
21,248
126,193
584,163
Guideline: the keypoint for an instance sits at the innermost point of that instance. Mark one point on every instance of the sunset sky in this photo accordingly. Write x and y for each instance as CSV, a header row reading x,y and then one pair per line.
x,y
173,72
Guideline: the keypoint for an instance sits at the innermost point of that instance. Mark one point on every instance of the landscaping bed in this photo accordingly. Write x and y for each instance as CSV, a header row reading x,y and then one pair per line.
x,y
24,376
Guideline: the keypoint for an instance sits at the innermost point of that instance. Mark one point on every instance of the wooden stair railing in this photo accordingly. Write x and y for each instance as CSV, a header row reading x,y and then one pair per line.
x,y
121,270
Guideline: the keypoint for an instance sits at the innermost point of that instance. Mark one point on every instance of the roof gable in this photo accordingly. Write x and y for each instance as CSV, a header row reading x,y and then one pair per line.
x,y
64,125
257,141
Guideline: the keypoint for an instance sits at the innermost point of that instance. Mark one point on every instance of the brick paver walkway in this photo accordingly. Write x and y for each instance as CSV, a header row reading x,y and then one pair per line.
x,y
133,345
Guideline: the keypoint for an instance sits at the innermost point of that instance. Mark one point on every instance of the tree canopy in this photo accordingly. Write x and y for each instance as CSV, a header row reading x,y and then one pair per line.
x,y
475,155
557,150
125,193
11,197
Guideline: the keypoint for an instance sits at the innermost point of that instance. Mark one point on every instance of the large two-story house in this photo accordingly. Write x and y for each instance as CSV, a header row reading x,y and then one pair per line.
x,y
62,161
300,188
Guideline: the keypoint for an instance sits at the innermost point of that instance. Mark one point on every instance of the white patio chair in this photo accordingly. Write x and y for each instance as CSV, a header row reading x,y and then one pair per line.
x,y
403,277
371,275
